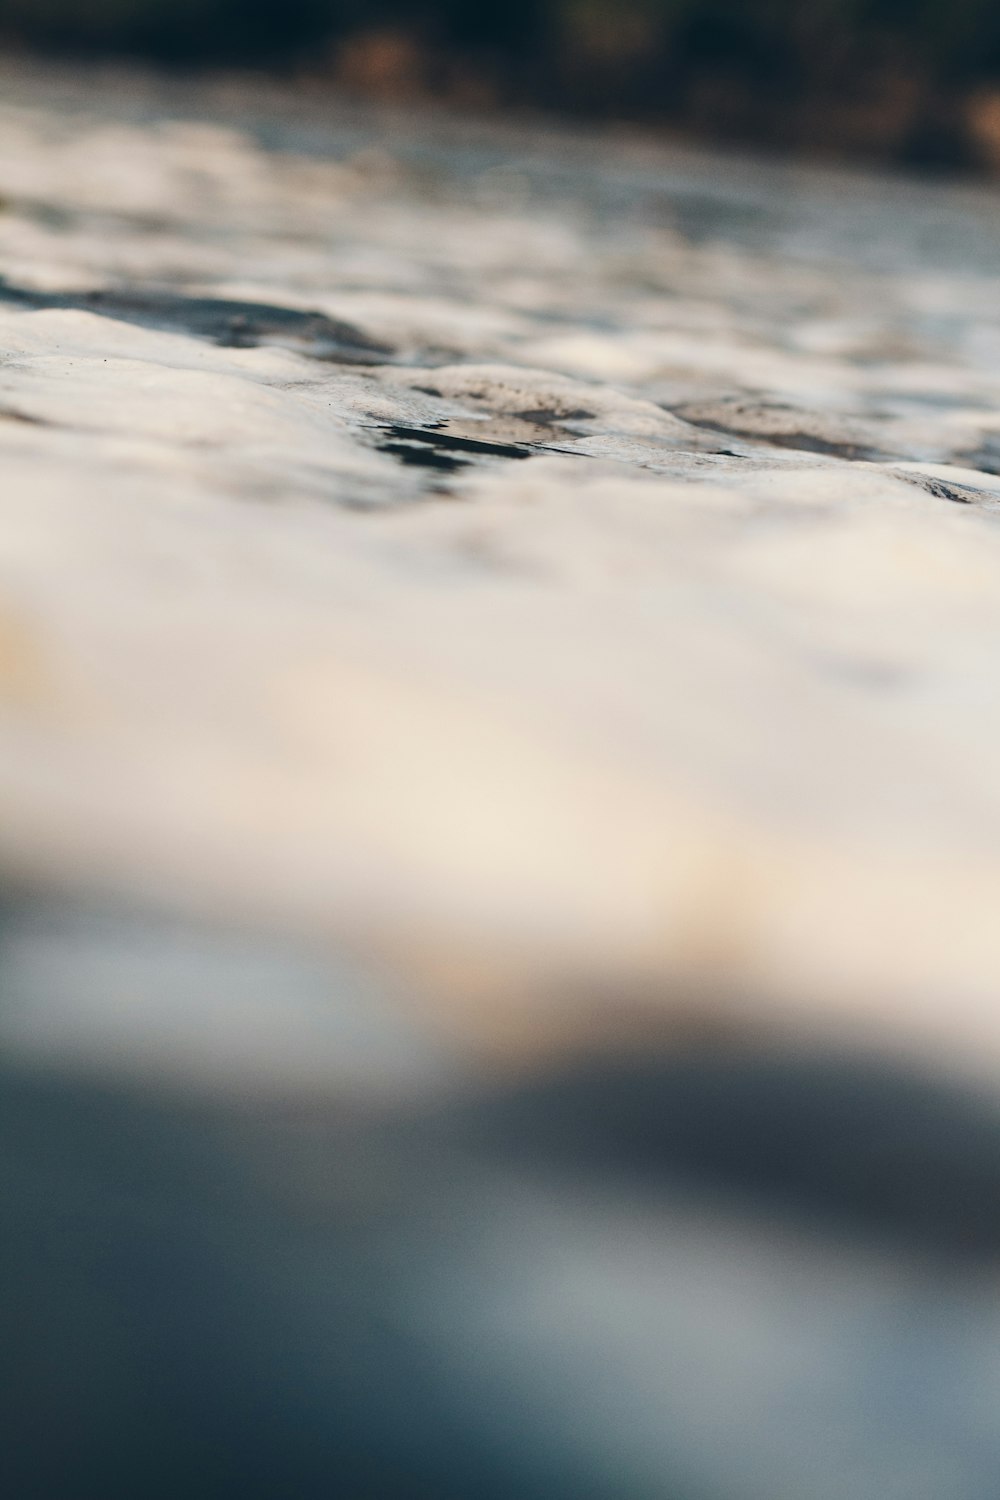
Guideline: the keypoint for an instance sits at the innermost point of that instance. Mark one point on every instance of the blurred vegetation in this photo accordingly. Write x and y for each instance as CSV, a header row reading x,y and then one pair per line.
x,y
901,77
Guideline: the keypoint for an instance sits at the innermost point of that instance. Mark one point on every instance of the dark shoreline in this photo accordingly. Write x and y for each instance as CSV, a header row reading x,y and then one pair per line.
x,y
918,91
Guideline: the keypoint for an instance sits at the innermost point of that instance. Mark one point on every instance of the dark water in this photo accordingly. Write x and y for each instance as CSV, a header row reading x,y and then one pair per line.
x,y
720,1272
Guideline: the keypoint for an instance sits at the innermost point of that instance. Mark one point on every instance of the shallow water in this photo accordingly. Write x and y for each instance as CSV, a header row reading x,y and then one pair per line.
x,y
473,595
703,685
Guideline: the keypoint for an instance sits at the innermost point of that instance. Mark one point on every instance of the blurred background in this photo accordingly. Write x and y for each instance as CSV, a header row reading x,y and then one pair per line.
x,y
915,82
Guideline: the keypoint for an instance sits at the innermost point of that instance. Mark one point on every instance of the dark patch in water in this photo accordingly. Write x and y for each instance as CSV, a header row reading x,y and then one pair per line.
x,y
701,218
806,442
548,416
799,442
957,494
985,458
446,443
420,457
11,414
231,324
826,1140
873,676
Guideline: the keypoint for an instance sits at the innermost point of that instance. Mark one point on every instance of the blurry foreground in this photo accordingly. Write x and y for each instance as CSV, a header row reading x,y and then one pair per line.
x,y
498,786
